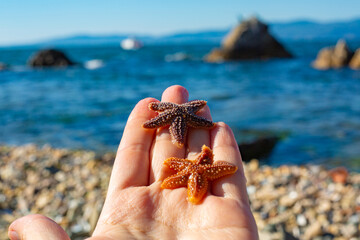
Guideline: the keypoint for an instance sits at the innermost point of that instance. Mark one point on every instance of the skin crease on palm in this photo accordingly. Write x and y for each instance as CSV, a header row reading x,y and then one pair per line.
x,y
137,208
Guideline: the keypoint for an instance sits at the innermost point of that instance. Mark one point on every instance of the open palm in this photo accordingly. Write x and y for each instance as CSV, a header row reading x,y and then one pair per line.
x,y
137,208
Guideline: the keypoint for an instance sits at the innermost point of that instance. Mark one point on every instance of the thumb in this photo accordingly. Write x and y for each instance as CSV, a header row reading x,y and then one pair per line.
x,y
36,227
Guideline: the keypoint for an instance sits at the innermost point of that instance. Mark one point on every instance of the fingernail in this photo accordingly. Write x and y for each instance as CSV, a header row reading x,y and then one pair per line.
x,y
14,235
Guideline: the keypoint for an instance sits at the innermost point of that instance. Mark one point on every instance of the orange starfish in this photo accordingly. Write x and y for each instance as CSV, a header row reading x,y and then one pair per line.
x,y
196,174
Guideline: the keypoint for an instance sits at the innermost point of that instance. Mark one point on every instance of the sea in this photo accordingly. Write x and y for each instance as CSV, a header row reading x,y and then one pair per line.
x,y
316,114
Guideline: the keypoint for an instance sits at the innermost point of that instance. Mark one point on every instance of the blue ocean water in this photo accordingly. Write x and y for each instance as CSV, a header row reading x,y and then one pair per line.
x,y
317,113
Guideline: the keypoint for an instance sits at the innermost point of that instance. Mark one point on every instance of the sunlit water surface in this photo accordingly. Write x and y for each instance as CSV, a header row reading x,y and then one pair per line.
x,y
316,113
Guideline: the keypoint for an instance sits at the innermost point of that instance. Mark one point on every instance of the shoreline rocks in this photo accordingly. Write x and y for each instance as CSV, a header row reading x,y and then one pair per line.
x,y
305,200
69,186
50,58
249,40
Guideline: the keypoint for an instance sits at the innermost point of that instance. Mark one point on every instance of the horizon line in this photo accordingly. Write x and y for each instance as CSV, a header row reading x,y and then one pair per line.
x,y
159,35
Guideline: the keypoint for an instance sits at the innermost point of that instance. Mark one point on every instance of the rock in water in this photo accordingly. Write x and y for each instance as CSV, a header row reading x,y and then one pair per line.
x,y
260,148
3,66
323,59
355,61
50,58
342,54
249,40
333,57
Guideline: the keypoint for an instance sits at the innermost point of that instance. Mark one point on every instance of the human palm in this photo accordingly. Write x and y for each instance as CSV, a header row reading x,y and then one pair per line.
x,y
152,213
137,208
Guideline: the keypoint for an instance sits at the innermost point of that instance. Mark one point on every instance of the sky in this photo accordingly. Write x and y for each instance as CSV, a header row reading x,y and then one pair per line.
x,y
29,21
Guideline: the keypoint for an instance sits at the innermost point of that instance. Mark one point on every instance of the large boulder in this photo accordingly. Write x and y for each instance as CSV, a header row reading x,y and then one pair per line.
x,y
50,58
333,57
249,40
355,60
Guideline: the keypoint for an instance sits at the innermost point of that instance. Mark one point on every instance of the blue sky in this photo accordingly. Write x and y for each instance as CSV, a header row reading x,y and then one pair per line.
x,y
26,21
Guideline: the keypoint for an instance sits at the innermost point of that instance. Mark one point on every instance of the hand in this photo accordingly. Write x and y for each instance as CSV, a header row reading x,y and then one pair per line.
x,y
137,208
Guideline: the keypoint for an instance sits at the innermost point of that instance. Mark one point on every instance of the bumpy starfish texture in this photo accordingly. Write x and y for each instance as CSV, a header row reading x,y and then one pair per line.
x,y
196,174
179,117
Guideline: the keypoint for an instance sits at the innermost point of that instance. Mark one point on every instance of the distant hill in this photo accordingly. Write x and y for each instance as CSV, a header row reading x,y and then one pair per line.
x,y
92,39
196,37
308,30
285,31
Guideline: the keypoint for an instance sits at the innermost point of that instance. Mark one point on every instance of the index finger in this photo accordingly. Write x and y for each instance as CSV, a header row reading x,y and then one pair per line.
x,y
131,166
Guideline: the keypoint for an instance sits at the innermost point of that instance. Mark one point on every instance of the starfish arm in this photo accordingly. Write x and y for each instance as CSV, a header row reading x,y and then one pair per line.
x,y
197,187
175,181
161,120
177,164
219,169
206,156
198,122
195,105
178,130
161,106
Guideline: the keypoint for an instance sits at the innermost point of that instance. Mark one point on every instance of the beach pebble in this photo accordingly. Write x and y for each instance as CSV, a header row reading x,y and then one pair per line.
x,y
354,219
323,220
287,201
312,231
43,199
349,230
2,198
253,165
337,217
339,175
324,206
301,220
77,228
251,190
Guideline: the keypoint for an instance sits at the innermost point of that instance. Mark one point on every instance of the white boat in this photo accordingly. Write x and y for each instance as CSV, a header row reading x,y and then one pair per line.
x,y
131,44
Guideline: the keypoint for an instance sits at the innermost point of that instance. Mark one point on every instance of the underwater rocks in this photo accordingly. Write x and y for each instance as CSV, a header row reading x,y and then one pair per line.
x,y
249,40
3,66
50,58
260,148
288,202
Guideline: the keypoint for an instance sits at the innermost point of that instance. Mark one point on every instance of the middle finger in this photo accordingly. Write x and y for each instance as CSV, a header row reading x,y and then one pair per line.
x,y
163,146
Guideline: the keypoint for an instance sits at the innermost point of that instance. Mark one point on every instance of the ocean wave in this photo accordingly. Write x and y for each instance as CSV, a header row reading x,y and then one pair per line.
x,y
177,57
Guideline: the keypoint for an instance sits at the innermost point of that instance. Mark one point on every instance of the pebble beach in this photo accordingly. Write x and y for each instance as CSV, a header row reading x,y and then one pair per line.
x,y
69,186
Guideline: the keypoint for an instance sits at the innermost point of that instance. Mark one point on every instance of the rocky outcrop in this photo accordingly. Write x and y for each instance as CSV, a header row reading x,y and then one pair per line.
x,y
249,40
50,58
333,57
355,61
258,149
